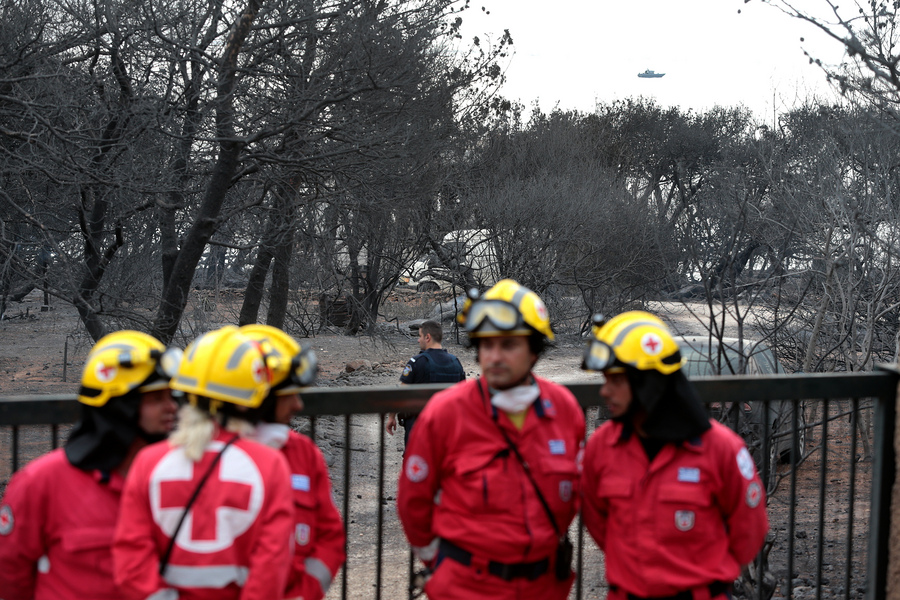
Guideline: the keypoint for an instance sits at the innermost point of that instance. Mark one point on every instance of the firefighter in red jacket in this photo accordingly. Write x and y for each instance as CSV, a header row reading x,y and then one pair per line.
x,y
59,512
318,529
208,514
671,497
489,483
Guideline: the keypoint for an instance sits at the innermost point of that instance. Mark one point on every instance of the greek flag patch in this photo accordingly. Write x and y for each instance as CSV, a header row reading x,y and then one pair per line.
x,y
300,482
557,446
689,474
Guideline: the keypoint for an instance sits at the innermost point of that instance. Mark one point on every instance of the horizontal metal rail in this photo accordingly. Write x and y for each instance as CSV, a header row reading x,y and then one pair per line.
x,y
322,401
819,389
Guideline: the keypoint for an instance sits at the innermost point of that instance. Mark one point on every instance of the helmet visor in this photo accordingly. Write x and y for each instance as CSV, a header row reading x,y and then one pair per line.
x,y
166,366
598,356
304,367
502,315
303,371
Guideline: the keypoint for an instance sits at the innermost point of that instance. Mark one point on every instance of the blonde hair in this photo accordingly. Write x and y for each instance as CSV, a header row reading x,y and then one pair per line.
x,y
196,429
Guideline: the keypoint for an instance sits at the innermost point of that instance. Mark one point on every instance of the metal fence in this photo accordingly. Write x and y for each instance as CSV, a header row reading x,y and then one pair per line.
x,y
829,492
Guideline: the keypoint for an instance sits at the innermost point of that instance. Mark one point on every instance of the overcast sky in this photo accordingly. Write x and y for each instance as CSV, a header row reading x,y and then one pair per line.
x,y
577,52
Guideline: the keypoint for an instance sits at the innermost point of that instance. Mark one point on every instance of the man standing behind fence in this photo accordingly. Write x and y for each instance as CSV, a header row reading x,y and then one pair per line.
x,y
489,483
59,513
671,497
432,365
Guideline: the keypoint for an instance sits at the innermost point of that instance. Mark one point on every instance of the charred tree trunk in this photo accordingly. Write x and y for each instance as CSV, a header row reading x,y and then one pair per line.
x,y
278,295
256,286
178,286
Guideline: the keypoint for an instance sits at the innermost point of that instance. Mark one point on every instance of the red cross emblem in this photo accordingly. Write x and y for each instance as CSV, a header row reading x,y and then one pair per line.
x,y
6,520
754,494
106,373
226,507
651,344
260,373
416,468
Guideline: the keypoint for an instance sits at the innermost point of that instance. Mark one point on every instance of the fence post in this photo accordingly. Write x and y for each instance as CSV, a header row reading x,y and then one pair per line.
x,y
884,470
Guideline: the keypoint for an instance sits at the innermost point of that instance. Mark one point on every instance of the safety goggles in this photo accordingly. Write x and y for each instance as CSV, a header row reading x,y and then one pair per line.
x,y
599,356
165,368
302,373
495,315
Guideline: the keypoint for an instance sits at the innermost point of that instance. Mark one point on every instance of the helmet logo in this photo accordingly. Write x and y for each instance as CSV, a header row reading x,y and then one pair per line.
x,y
540,309
651,344
105,373
260,372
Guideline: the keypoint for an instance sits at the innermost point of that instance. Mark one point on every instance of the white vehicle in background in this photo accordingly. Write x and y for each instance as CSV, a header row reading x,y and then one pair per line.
x,y
465,251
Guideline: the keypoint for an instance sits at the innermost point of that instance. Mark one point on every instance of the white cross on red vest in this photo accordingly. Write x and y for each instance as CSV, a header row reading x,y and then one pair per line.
x,y
175,494
227,505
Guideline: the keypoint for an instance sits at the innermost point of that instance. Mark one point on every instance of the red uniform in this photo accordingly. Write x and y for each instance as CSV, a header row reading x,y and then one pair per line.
x,y
235,542
56,529
461,483
318,529
691,517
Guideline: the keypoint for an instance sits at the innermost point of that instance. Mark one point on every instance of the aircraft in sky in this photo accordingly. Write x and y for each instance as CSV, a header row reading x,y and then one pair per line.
x,y
648,74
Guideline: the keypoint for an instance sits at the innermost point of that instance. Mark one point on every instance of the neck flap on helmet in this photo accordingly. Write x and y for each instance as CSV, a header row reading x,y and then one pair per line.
x,y
673,411
103,437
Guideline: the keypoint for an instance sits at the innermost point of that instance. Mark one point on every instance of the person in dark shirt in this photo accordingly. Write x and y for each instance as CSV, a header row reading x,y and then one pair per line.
x,y
432,365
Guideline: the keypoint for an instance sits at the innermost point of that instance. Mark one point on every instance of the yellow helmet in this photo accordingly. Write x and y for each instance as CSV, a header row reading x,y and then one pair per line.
x,y
292,365
224,365
635,338
124,361
508,308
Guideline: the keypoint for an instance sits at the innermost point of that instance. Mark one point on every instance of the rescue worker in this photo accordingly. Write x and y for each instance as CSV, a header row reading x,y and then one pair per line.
x,y
209,514
433,364
489,483
59,513
318,529
671,497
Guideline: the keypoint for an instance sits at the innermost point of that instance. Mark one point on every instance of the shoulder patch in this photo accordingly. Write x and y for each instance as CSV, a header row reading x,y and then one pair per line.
x,y
745,464
406,370
6,520
754,494
416,468
300,482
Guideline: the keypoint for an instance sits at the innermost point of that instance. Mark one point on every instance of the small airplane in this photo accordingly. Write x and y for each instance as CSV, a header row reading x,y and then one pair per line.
x,y
648,74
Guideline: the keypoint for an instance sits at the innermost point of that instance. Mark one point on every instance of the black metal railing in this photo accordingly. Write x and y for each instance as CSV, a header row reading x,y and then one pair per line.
x,y
828,501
